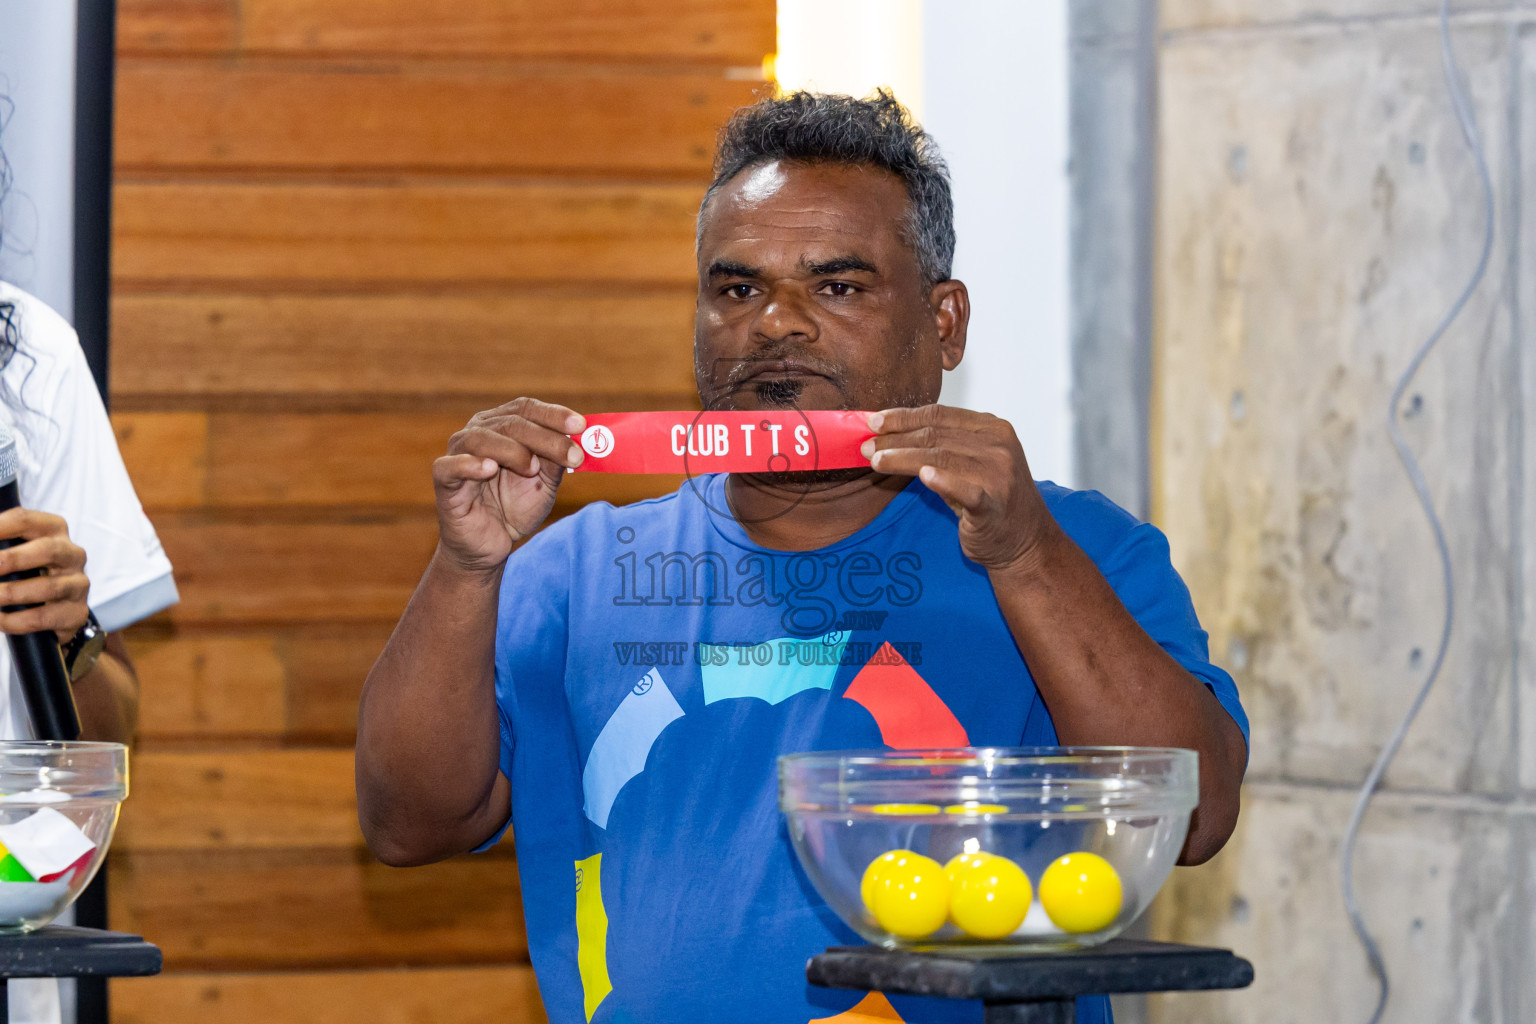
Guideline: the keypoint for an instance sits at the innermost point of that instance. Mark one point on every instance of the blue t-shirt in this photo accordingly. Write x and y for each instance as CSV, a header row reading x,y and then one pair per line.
x,y
640,729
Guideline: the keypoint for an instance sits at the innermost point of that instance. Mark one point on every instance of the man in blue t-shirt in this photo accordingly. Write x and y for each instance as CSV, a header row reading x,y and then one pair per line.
x,y
619,686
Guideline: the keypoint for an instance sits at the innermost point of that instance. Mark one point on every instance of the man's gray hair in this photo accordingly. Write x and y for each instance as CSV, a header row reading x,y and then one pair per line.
x,y
813,128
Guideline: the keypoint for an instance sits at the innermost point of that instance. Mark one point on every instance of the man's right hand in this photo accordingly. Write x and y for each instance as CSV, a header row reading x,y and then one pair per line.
x,y
498,481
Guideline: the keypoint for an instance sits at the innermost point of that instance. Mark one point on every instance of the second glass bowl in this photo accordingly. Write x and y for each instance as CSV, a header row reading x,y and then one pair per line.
x,y
899,843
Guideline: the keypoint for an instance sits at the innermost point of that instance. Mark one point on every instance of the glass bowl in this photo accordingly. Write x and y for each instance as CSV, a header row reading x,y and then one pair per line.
x,y
58,807
1089,835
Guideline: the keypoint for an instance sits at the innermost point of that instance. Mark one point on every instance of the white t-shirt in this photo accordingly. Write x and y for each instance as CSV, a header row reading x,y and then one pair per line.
x,y
68,464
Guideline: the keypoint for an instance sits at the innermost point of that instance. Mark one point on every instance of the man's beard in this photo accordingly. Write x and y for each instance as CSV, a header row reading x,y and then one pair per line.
x,y
807,478
782,393
786,394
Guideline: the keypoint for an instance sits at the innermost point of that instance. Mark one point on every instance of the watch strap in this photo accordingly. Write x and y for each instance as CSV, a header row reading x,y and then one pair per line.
x,y
83,649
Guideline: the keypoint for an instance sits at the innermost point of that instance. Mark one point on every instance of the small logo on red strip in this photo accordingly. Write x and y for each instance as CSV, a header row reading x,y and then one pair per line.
x,y
597,441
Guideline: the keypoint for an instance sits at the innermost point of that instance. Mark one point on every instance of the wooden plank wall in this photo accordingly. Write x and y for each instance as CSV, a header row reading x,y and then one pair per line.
x,y
343,226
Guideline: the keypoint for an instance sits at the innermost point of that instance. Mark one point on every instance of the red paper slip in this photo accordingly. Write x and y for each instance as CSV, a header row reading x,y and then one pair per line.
x,y
723,442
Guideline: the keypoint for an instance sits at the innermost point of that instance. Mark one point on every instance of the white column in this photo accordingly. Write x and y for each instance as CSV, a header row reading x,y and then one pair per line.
x,y
988,78
995,92
852,47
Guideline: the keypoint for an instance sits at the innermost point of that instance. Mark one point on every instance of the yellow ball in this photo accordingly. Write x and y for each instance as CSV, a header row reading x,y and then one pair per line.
x,y
988,895
875,874
1081,892
905,809
960,860
974,808
911,896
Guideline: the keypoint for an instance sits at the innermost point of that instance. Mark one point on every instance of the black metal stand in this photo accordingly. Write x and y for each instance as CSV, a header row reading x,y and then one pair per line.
x,y
58,951
1031,988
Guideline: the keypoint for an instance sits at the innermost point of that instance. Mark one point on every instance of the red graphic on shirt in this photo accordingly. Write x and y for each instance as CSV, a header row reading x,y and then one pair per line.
x,y
904,706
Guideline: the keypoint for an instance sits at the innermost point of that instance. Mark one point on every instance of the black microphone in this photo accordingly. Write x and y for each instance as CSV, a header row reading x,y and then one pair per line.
x,y
39,662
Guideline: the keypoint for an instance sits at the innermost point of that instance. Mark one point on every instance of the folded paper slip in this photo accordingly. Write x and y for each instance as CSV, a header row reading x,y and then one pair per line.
x,y
46,842
776,441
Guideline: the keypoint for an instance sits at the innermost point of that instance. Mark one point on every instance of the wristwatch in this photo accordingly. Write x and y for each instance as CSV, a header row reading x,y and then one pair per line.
x,y
81,650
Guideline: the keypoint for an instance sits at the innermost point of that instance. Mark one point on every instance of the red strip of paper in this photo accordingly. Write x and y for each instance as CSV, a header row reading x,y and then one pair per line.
x,y
733,441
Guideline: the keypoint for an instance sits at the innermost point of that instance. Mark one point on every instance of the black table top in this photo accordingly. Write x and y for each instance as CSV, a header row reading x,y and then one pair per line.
x,y
1121,965
61,951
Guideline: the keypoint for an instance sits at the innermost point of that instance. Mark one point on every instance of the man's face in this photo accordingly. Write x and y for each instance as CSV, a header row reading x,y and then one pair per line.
x,y
810,296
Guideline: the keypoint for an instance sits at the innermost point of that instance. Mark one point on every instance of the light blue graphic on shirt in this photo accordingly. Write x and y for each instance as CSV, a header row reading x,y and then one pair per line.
x,y
773,670
625,742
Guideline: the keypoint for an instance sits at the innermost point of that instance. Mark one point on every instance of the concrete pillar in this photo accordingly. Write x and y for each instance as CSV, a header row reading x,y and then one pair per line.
x,y
1113,117
1316,214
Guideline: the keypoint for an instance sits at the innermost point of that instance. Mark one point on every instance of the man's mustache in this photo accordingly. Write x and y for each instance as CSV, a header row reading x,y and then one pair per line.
x,y
739,374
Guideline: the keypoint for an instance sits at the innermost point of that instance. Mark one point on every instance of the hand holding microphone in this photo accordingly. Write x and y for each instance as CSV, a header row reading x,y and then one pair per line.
x,y
43,591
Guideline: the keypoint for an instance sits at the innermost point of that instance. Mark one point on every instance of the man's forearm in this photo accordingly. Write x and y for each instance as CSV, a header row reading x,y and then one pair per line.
x,y
428,744
107,696
1106,682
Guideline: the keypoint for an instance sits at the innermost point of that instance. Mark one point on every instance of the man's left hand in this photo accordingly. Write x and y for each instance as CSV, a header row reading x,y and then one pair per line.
x,y
973,461
60,594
